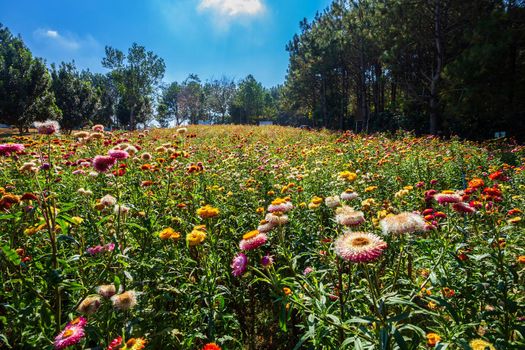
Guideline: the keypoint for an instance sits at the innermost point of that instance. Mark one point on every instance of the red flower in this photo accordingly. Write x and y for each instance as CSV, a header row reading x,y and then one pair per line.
x,y
115,343
498,175
211,346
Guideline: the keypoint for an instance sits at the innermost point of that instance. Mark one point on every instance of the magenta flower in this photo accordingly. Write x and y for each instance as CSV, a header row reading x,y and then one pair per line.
x,y
118,154
100,249
267,260
103,163
464,208
79,322
238,265
95,250
72,334
7,148
445,198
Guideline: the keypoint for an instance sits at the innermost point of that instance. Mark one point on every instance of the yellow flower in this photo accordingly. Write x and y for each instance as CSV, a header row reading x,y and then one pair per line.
x,y
135,344
34,229
370,188
433,339
348,176
77,220
367,203
169,233
401,193
195,237
480,344
278,201
207,212
260,210
431,305
514,220
317,200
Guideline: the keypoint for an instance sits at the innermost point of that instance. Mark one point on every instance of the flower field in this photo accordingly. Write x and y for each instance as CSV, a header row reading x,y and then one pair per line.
x,y
239,237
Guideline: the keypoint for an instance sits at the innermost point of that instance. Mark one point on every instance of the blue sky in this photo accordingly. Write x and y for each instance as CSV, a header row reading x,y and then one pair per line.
x,y
206,37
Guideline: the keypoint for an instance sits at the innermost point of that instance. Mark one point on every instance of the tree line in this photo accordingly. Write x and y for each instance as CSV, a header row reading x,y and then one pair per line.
x,y
433,66
132,93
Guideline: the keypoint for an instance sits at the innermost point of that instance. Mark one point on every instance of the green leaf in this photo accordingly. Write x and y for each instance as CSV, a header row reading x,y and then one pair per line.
x,y
11,255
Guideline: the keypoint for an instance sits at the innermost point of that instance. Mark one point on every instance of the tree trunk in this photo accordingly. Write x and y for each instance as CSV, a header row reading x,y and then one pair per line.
x,y
436,76
132,118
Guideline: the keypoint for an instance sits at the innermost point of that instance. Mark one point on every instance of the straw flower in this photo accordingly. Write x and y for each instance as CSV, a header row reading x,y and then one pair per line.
x,y
124,301
359,247
403,223
252,240
347,216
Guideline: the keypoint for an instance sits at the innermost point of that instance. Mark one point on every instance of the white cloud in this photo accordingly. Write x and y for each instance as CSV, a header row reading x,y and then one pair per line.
x,y
51,33
67,41
233,8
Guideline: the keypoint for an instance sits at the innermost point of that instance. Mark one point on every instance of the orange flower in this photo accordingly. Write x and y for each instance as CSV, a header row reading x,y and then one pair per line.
x,y
448,293
169,233
521,259
433,339
207,212
476,183
211,346
287,291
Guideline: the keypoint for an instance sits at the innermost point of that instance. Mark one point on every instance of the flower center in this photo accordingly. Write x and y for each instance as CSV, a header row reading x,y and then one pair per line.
x,y
67,333
250,234
360,241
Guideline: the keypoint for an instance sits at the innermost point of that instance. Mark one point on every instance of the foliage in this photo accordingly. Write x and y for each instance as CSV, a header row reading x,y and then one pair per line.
x,y
75,96
136,76
25,84
444,66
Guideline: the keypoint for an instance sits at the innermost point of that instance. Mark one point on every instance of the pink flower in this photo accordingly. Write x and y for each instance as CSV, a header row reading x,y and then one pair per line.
x,y
347,216
100,249
307,270
118,154
7,148
463,207
254,241
103,163
109,247
238,265
98,128
359,247
445,198
280,206
95,250
79,321
115,343
48,127
71,335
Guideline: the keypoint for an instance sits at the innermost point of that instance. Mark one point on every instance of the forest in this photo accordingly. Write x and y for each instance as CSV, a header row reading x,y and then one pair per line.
x,y
439,67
